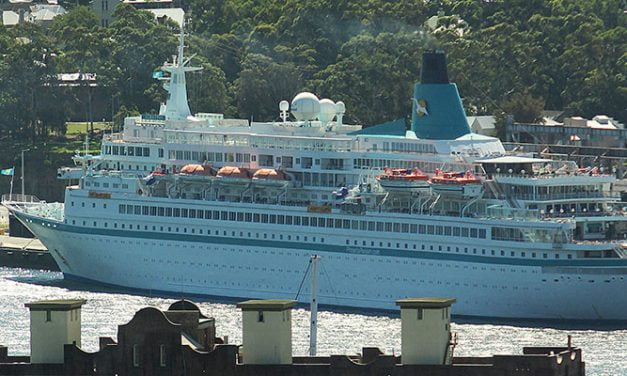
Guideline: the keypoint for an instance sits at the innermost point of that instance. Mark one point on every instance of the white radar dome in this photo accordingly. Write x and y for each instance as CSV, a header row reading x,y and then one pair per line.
x,y
327,111
305,106
284,106
340,108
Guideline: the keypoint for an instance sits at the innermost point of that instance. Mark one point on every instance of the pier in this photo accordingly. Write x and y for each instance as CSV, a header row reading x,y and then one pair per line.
x,y
28,253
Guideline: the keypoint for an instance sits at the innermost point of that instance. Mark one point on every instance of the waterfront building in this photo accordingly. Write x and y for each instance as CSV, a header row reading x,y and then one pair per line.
x,y
181,340
53,324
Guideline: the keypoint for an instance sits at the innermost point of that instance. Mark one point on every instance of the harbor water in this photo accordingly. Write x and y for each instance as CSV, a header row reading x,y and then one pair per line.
x,y
604,349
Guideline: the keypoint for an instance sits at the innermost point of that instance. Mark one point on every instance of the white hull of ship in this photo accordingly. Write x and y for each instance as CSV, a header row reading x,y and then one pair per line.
x,y
353,280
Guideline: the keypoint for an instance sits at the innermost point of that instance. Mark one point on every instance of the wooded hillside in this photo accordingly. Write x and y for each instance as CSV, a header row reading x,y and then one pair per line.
x,y
568,54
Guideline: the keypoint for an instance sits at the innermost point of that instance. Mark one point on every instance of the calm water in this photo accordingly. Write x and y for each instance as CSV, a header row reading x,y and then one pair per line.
x,y
605,350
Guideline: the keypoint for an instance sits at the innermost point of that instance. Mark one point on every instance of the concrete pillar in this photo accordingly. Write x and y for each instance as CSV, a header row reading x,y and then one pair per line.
x,y
425,330
53,323
267,331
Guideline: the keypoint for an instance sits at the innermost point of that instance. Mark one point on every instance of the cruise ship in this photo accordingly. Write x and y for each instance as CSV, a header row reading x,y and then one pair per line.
x,y
199,204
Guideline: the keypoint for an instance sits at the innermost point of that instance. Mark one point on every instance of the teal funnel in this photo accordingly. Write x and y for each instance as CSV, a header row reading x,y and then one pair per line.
x,y
437,111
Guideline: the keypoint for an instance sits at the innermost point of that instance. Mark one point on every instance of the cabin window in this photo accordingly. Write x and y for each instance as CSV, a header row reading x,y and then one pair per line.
x,y
419,314
260,316
48,315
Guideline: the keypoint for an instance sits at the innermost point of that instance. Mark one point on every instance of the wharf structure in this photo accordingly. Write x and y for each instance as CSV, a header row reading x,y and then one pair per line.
x,y
181,340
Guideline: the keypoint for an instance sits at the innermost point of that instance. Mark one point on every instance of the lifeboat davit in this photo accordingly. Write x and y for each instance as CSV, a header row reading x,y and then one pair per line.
x,y
233,175
463,184
270,177
403,180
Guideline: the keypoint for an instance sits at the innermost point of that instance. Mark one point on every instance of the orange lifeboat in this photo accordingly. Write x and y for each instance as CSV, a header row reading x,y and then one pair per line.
x,y
233,175
196,169
233,172
402,179
270,177
464,184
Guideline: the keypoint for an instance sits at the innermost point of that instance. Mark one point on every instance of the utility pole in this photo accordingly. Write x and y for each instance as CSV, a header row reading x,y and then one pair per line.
x,y
23,172
313,309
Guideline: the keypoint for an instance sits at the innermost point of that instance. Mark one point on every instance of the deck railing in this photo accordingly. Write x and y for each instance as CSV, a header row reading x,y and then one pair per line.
x,y
19,198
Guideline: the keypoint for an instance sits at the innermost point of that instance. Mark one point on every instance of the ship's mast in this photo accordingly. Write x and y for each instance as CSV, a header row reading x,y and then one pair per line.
x,y
176,107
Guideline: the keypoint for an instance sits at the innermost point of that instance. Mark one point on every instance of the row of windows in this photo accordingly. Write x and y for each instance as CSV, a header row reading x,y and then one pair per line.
x,y
135,151
405,147
202,156
104,185
321,239
303,221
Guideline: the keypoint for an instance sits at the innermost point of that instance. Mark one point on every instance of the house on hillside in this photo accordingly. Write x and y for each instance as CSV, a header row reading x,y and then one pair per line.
x,y
484,125
162,10
17,12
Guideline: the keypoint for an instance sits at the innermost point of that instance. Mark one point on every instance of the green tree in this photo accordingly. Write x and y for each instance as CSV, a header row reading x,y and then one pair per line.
x,y
374,76
262,84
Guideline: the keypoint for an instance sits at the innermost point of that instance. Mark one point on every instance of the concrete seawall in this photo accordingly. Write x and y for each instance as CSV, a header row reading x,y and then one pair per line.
x,y
25,253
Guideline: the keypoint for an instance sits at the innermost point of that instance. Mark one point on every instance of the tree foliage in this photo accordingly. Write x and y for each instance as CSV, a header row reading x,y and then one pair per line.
x,y
503,54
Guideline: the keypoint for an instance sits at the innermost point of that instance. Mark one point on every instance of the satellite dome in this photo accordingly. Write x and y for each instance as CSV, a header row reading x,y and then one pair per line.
x,y
327,111
340,107
305,106
284,106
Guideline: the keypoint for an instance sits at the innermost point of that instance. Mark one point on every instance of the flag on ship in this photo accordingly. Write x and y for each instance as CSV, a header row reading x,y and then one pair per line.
x,y
7,171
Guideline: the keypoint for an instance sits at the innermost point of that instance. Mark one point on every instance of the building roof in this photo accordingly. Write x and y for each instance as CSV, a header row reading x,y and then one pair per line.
x,y
266,305
10,18
482,122
552,114
425,302
45,12
175,14
55,305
